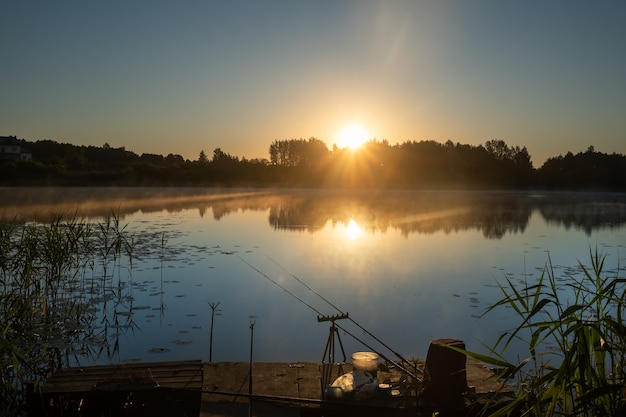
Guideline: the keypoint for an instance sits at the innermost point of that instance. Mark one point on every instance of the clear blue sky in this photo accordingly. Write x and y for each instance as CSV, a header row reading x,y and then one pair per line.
x,y
180,77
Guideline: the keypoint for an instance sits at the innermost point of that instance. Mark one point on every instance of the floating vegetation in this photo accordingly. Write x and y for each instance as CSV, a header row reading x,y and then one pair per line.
x,y
158,350
63,293
181,342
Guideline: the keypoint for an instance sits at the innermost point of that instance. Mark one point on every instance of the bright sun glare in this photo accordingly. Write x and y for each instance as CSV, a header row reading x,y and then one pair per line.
x,y
353,230
352,136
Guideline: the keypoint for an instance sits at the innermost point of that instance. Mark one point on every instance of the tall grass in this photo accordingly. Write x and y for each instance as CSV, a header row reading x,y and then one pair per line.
x,y
46,270
573,328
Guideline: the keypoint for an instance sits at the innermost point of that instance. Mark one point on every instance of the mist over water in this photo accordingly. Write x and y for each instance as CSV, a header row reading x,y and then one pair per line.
x,y
407,266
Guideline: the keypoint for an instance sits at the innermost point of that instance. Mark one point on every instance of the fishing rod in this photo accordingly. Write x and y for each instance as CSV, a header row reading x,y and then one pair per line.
x,y
396,364
399,366
319,313
337,308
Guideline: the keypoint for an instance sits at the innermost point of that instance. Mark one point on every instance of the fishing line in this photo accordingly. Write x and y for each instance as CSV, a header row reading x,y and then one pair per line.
x,y
280,286
305,285
319,313
399,366
341,312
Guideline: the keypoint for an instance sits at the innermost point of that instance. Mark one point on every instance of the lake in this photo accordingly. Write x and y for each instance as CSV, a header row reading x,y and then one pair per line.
x,y
406,266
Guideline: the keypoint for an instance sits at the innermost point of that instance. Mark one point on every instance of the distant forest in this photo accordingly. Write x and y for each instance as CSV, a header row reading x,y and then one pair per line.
x,y
309,163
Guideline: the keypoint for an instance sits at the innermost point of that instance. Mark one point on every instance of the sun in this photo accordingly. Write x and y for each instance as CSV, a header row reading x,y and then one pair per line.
x,y
352,136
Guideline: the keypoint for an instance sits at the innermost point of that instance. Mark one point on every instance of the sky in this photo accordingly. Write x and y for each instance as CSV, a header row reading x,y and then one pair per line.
x,y
180,77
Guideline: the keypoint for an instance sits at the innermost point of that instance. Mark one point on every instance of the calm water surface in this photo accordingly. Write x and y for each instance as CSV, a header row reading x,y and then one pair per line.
x,y
408,267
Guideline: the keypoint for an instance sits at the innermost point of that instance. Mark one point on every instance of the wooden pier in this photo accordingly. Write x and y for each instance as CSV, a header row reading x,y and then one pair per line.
x,y
194,388
156,389
276,385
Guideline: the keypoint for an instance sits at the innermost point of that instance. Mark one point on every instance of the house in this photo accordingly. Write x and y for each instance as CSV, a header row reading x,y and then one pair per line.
x,y
11,148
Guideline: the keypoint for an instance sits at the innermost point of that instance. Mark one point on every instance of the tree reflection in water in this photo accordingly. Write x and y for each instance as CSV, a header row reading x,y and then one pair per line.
x,y
67,286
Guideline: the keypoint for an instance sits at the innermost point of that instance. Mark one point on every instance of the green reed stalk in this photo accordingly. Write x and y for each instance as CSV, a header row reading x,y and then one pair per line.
x,y
585,376
42,315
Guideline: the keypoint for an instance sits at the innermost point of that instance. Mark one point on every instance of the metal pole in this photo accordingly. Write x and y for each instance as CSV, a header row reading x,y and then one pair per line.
x,y
213,308
298,366
252,322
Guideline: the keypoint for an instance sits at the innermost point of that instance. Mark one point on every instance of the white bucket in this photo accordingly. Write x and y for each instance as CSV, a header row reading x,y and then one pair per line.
x,y
365,361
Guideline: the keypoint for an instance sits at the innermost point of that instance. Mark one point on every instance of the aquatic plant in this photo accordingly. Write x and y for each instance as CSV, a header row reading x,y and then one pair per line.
x,y
46,273
574,330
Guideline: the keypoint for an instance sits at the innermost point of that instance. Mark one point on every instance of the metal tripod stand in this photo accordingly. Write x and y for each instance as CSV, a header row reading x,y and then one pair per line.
x,y
328,360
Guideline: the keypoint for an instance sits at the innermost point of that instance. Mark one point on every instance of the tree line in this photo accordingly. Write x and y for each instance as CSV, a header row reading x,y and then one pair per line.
x,y
309,163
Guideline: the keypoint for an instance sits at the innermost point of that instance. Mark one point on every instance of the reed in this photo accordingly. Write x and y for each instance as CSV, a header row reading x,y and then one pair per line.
x,y
573,328
46,270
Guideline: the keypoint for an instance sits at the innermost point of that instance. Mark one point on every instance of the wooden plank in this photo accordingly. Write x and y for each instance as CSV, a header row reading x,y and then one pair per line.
x,y
178,375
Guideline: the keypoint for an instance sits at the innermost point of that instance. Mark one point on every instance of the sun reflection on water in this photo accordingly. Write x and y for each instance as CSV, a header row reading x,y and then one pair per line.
x,y
353,230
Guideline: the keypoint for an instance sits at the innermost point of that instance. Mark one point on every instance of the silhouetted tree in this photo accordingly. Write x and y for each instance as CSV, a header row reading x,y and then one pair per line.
x,y
499,149
172,159
588,170
221,157
202,158
309,163
152,158
298,152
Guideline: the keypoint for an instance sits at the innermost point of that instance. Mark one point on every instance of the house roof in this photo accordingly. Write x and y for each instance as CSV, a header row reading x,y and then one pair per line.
x,y
9,140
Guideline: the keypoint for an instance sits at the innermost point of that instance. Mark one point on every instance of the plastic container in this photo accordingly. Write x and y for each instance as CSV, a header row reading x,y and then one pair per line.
x,y
365,361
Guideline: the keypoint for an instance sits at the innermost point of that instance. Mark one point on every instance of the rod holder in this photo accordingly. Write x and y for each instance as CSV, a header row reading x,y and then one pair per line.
x,y
332,318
